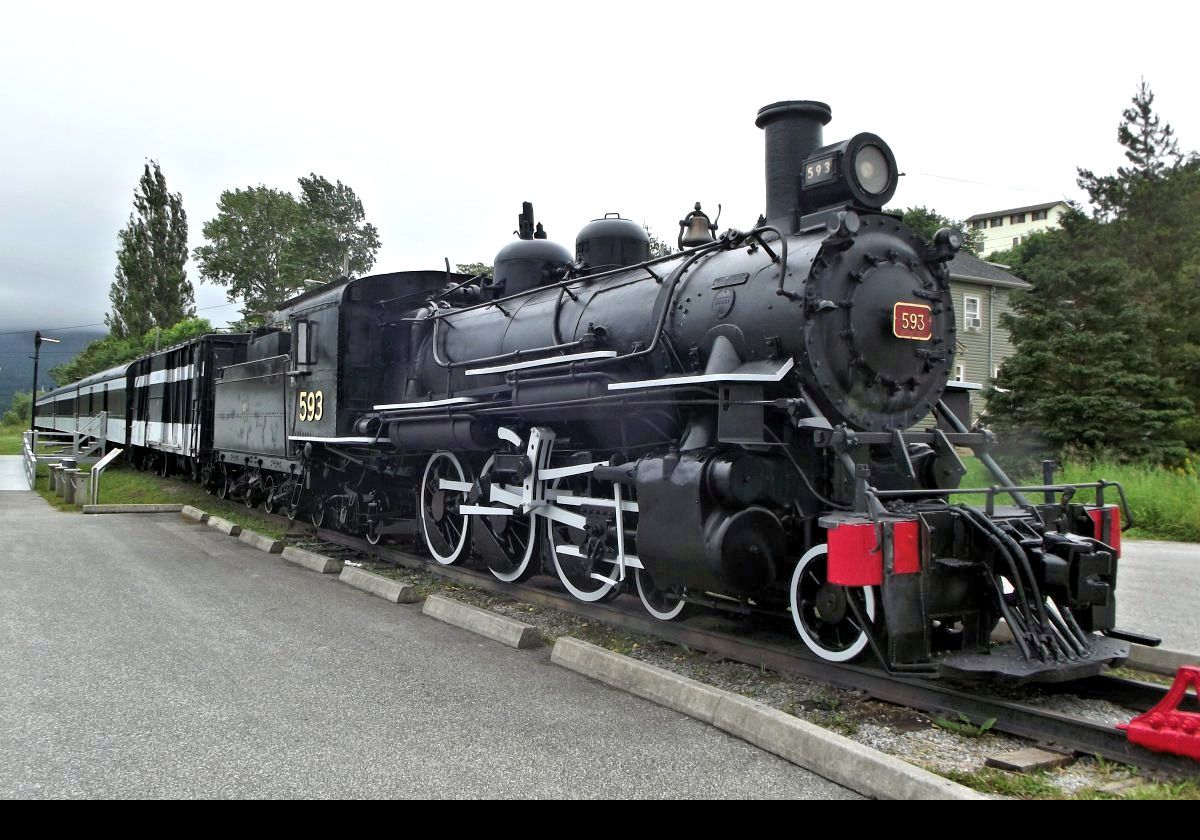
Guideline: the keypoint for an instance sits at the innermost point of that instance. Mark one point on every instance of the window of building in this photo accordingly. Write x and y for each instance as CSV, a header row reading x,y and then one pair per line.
x,y
973,312
1040,216
979,225
1017,219
960,373
998,221
1016,241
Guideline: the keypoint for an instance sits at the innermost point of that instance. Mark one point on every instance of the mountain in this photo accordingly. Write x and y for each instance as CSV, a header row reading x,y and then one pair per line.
x,y
16,359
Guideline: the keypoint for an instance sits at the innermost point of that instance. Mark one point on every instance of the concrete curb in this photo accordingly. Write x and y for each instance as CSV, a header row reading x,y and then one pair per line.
x,y
226,527
316,562
132,508
262,543
194,513
838,759
389,590
498,628
1159,661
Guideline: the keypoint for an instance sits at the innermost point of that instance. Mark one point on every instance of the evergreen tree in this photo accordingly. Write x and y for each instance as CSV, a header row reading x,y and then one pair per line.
x,y
1084,378
151,286
1150,148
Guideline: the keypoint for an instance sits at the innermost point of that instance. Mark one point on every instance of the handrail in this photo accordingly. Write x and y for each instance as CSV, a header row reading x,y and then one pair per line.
x,y
98,470
29,459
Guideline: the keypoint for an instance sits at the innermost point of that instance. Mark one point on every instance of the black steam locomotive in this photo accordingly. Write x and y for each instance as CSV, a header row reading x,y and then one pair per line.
x,y
761,421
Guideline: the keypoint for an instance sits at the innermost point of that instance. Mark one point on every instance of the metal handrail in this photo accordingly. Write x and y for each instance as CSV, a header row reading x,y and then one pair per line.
x,y
29,459
35,439
97,471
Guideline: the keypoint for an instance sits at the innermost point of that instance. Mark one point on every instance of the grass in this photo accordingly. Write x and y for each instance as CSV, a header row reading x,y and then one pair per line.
x,y
1165,502
10,440
122,485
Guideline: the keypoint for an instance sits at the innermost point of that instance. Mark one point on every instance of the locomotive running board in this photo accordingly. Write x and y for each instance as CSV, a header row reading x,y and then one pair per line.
x,y
549,360
427,404
749,372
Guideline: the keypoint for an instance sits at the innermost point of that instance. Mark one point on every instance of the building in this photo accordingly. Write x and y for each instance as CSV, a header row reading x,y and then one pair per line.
x,y
980,293
1002,229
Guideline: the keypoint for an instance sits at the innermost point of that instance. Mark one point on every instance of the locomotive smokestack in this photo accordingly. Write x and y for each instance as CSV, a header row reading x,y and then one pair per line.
x,y
794,131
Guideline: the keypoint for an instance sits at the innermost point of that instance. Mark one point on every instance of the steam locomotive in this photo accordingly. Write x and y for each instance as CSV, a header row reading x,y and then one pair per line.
x,y
759,422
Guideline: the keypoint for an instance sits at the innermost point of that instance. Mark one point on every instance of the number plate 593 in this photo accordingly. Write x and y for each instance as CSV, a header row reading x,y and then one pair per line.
x,y
913,321
312,406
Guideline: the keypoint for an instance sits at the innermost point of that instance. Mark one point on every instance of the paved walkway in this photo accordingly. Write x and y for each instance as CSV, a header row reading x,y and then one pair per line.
x,y
146,656
12,473
1158,592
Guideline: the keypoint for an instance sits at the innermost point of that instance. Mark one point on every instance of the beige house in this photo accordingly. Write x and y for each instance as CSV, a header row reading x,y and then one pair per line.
x,y
1002,229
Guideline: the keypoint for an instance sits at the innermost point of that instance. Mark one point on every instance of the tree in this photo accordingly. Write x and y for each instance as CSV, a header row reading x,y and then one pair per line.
x,y
926,222
151,286
18,410
264,244
252,247
474,269
1084,379
334,235
1150,148
113,350
658,247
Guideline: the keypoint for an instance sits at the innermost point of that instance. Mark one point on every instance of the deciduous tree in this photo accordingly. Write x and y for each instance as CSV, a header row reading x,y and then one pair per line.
x,y
926,222
265,245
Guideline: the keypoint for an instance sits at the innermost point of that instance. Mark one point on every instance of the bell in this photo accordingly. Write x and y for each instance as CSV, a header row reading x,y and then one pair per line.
x,y
696,229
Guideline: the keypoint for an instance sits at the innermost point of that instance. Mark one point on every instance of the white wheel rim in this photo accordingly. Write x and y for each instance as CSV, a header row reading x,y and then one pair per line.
x,y
576,592
449,559
661,615
814,644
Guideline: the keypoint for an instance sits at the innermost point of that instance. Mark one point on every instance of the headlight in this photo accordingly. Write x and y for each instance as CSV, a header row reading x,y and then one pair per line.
x,y
871,168
860,171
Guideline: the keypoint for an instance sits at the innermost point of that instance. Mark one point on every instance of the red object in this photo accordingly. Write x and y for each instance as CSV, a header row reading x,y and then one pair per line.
x,y
854,558
1165,728
1098,515
912,320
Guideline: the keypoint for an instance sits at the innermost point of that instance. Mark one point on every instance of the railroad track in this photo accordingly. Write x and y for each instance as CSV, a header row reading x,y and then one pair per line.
x,y
1046,727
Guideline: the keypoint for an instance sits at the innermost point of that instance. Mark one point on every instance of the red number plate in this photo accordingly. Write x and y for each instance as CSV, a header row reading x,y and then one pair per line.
x,y
912,320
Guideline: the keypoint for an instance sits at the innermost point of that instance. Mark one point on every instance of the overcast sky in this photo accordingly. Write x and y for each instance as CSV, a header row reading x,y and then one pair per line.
x,y
445,119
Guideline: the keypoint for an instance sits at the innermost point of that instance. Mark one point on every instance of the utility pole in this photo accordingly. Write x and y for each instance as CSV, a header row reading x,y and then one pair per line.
x,y
38,338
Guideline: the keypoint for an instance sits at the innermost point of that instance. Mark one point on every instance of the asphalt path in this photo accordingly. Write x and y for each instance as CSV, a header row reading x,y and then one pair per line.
x,y
12,474
146,656
1158,592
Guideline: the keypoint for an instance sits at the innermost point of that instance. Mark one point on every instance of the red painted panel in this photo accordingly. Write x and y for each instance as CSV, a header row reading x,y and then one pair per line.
x,y
854,560
1097,516
906,548
851,562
